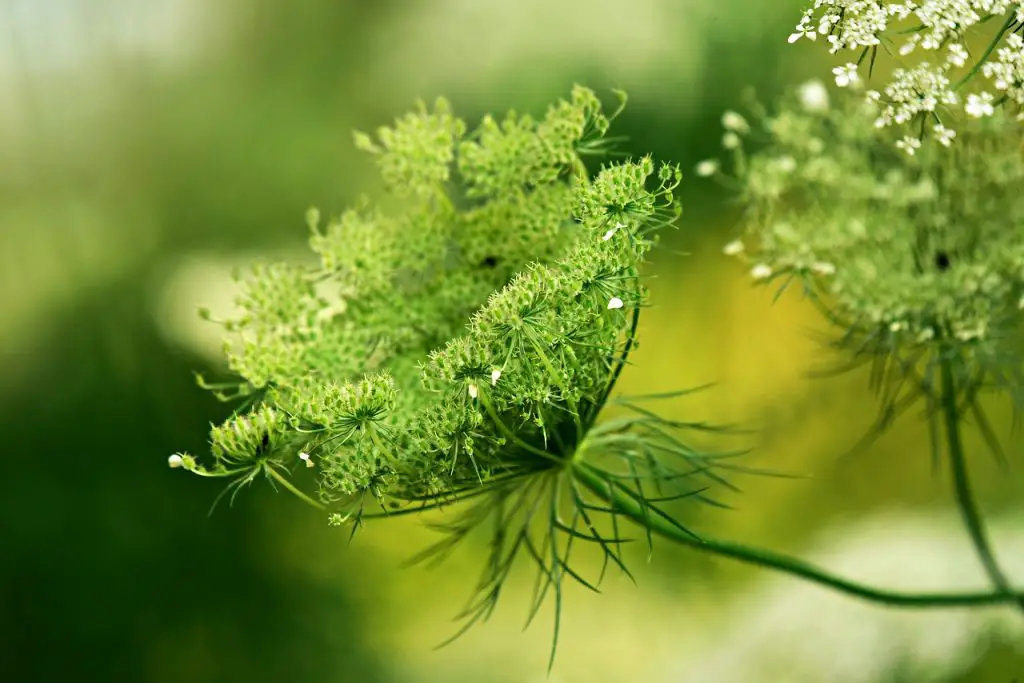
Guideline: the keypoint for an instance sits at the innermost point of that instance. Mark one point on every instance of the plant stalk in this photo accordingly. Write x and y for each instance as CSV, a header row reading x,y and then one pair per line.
x,y
595,483
966,504
988,52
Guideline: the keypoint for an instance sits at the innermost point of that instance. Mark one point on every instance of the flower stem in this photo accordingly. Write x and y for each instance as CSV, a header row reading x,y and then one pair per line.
x,y
988,52
621,362
623,504
962,486
283,481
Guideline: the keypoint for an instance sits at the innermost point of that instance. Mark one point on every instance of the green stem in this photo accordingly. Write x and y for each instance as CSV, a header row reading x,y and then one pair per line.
x,y
988,52
510,435
283,481
962,486
627,506
558,380
623,358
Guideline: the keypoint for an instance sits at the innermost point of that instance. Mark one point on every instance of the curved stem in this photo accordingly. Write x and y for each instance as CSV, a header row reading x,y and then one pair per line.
x,y
510,435
627,506
962,486
283,481
623,358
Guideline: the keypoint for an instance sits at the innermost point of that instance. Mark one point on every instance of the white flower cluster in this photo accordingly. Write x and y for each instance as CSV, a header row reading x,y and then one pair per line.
x,y
1007,72
912,92
920,91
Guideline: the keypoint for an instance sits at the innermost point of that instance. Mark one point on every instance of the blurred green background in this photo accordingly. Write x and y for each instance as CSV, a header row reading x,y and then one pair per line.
x,y
146,146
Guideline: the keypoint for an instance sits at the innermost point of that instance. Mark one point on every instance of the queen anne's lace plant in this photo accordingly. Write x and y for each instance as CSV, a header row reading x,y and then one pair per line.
x,y
458,343
917,260
935,43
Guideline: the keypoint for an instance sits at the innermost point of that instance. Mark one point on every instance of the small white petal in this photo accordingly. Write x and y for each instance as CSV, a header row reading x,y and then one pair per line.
x,y
735,122
824,268
615,302
733,248
495,374
761,271
707,168
608,235
304,457
786,164
175,461
814,96
473,391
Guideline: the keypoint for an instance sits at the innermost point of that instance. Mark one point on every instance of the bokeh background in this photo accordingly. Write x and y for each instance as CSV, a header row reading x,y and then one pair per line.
x,y
147,146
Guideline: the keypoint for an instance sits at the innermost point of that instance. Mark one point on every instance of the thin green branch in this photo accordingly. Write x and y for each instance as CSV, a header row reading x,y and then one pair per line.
x,y
630,507
283,481
969,512
510,435
620,363
988,51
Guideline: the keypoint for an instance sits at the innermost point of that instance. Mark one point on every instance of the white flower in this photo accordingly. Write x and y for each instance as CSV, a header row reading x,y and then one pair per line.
x,y
804,29
735,122
761,271
473,391
730,140
304,457
786,164
707,168
615,302
846,75
913,92
909,144
733,248
944,135
823,268
813,96
611,233
910,45
979,105
175,461
495,374
957,55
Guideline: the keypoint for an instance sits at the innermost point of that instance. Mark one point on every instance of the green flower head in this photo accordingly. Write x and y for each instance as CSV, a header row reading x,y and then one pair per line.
x,y
435,346
458,341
